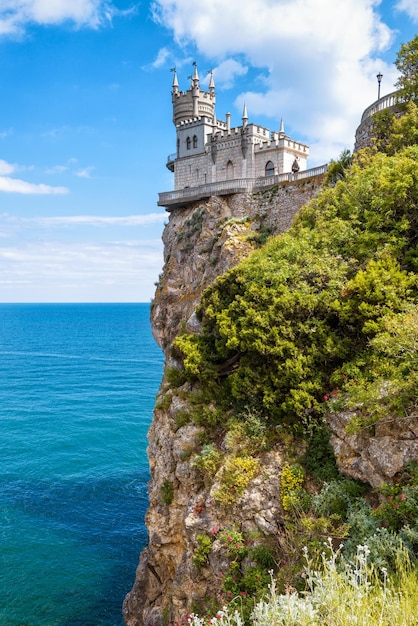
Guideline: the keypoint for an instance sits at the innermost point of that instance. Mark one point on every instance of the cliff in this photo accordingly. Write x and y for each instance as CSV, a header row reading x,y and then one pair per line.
x,y
291,370
201,242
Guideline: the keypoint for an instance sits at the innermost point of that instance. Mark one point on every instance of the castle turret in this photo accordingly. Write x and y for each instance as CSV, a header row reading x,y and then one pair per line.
x,y
194,103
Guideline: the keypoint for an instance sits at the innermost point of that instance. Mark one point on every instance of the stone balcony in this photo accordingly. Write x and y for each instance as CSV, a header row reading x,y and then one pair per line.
x,y
183,197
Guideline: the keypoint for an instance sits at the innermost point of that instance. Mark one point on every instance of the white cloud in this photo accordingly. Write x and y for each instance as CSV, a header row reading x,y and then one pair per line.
x,y
93,220
162,56
56,169
15,185
85,172
410,7
6,168
226,72
321,57
15,15
75,272
89,220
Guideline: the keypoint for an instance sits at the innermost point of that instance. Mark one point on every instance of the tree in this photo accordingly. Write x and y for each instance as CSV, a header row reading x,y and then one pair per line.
x,y
296,318
407,64
337,169
394,132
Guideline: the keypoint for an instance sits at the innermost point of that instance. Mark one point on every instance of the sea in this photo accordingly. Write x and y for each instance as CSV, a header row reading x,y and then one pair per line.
x,y
77,388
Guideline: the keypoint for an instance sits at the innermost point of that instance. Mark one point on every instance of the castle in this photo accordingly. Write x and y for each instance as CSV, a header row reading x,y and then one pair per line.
x,y
214,159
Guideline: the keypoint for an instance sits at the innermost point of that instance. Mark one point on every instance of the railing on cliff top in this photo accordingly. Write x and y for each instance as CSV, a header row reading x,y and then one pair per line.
x,y
390,100
180,197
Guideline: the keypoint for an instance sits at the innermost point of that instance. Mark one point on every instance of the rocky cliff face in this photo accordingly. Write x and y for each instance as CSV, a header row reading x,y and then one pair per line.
x,y
201,242
378,454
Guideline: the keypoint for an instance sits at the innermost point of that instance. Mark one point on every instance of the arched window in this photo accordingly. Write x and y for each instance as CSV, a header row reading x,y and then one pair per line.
x,y
178,148
188,143
269,168
229,170
194,141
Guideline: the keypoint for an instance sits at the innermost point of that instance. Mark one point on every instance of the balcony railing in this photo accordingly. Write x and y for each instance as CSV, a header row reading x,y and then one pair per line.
x,y
392,99
182,197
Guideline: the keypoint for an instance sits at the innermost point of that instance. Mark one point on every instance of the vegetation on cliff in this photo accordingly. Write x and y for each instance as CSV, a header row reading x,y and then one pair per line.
x,y
315,314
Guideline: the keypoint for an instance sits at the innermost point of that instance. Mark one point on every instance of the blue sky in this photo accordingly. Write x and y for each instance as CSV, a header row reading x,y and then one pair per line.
x,y
85,117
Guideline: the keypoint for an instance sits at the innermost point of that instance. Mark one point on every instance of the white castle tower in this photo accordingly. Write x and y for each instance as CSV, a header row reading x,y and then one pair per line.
x,y
209,151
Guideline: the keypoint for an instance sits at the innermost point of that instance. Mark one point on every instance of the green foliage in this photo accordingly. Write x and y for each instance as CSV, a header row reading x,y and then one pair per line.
x,y
382,129
191,229
407,65
337,497
337,169
402,131
393,388
247,432
164,401
234,477
241,582
263,233
234,543
319,458
263,555
174,376
399,508
297,317
167,492
201,553
293,496
336,593
208,460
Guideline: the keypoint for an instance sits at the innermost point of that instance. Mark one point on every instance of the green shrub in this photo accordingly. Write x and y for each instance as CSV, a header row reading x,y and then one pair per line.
x,y
263,555
319,458
174,376
292,495
234,477
399,507
167,492
201,553
234,543
208,460
337,497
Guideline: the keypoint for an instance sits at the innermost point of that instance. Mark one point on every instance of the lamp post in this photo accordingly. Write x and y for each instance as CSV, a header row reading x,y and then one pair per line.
x,y
379,80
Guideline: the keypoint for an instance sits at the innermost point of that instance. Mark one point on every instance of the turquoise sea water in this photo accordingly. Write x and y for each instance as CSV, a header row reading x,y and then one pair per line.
x,y
77,389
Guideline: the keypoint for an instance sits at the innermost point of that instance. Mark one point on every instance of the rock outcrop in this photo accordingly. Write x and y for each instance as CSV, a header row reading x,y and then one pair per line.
x,y
374,455
201,242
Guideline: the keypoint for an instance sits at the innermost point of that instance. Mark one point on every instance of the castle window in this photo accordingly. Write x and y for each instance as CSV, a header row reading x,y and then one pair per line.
x,y
269,168
178,148
188,143
194,141
229,170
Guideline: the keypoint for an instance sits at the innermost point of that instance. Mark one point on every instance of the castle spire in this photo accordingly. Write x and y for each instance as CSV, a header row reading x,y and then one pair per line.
x,y
195,78
195,91
245,116
175,85
281,131
211,83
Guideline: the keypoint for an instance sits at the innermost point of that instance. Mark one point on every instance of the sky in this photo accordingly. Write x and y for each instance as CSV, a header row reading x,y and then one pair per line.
x,y
86,117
